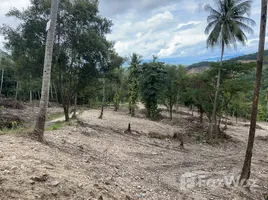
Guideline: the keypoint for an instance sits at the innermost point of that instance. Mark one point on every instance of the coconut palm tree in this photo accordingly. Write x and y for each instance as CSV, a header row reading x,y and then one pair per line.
x,y
41,118
226,27
245,174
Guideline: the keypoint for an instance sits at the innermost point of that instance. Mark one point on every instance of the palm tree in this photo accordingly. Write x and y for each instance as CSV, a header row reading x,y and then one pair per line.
x,y
40,122
247,163
226,27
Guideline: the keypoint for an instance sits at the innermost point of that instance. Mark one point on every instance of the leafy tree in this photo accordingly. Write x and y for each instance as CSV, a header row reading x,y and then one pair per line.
x,y
170,93
26,42
233,82
133,82
226,27
117,86
79,23
114,61
173,86
152,80
199,94
74,65
6,62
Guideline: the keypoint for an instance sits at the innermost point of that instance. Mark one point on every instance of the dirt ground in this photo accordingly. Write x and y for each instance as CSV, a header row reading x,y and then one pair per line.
x,y
29,113
100,161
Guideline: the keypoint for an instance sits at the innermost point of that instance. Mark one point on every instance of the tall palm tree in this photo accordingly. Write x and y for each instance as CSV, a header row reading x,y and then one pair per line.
x,y
245,174
40,122
226,27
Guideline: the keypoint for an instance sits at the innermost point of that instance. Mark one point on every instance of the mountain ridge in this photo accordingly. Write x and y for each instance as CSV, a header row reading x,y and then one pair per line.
x,y
247,57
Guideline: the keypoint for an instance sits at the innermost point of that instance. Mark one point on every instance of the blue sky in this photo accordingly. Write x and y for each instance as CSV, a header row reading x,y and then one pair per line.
x,y
170,29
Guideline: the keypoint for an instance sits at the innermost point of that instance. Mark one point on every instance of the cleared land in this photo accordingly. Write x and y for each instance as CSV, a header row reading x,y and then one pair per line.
x,y
96,159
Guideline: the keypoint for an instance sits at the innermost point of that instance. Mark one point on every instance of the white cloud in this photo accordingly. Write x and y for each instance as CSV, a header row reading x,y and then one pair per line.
x,y
161,16
170,29
6,5
184,39
173,30
189,23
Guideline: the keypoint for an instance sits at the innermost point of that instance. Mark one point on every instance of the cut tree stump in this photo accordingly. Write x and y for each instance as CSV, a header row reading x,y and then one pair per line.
x,y
128,129
179,136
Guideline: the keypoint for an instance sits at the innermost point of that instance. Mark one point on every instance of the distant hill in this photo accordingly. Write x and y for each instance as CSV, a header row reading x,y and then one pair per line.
x,y
252,56
202,66
198,67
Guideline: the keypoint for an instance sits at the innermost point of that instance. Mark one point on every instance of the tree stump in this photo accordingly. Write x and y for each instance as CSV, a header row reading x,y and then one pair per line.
x,y
179,136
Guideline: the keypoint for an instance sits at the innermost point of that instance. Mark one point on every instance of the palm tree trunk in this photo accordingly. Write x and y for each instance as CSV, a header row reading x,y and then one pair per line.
x,y
2,81
213,123
103,99
245,174
40,122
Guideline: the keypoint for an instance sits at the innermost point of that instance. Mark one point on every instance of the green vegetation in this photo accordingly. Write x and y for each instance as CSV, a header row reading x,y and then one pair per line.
x,y
54,116
133,82
55,126
152,80
79,70
15,130
200,64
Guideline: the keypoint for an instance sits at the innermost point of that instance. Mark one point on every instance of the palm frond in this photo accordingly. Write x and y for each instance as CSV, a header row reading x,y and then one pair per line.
x,y
220,5
210,26
244,27
242,8
227,37
239,34
244,20
227,24
211,10
214,36
211,18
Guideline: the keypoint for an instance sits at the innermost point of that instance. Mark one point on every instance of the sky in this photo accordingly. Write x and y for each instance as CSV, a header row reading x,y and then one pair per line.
x,y
173,30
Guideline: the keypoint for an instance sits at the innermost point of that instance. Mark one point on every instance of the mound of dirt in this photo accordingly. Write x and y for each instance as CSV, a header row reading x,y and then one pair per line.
x,y
263,138
257,126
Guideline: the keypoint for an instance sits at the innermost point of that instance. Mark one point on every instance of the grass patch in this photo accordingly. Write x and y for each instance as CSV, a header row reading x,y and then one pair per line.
x,y
123,105
19,129
55,126
54,116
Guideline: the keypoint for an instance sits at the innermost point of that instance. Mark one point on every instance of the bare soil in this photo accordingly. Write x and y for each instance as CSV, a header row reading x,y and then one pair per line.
x,y
99,160
28,113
